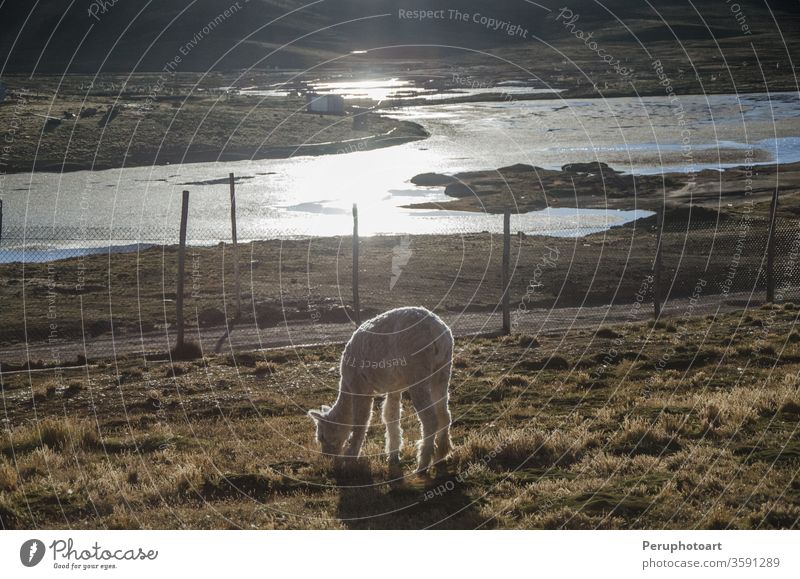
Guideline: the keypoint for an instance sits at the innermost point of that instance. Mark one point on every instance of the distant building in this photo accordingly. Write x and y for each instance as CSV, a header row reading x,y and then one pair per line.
x,y
326,104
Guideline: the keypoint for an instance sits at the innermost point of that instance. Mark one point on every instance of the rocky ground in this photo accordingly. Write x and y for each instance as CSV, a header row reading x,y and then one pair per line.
x,y
524,188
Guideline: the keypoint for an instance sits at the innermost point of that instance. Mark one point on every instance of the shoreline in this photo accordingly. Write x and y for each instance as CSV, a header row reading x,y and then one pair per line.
x,y
200,155
570,94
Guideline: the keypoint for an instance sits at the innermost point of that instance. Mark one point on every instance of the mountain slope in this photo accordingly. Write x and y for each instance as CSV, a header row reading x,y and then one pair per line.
x,y
52,36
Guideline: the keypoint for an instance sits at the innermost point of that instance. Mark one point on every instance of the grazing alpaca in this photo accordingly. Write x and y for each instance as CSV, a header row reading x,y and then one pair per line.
x,y
404,349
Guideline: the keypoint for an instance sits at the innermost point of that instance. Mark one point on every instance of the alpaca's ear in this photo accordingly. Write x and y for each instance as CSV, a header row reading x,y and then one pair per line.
x,y
315,415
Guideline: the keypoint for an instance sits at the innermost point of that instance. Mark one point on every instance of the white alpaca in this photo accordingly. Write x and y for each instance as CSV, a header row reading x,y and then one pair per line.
x,y
404,349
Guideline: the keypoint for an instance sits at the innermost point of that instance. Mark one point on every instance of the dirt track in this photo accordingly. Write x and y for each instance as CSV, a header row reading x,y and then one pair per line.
x,y
252,337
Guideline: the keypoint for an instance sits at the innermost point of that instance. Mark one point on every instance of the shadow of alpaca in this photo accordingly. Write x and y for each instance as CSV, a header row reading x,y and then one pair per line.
x,y
384,500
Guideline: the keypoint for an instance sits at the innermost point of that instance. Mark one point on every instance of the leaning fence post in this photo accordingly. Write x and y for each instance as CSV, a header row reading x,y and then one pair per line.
x,y
235,249
773,209
181,267
657,265
356,304
506,266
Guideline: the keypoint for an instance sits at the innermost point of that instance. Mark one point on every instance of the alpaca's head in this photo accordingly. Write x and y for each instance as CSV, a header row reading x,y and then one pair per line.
x,y
331,435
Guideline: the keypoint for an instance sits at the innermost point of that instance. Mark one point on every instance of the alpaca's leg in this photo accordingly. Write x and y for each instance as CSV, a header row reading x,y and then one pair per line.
x,y
362,414
394,433
443,444
421,398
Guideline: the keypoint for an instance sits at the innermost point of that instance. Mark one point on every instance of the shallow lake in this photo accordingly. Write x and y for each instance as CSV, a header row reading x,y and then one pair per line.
x,y
312,196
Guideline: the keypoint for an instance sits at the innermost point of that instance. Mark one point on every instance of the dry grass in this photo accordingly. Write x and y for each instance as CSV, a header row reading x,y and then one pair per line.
x,y
55,433
225,443
513,449
8,476
265,368
515,380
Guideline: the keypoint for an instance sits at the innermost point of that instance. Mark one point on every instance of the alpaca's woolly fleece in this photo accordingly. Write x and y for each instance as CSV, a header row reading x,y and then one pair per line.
x,y
406,349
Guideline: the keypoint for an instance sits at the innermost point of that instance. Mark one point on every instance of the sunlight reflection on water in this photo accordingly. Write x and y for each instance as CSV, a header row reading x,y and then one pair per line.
x,y
313,196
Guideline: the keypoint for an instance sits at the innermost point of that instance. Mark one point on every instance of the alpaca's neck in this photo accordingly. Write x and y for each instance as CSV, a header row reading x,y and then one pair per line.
x,y
342,410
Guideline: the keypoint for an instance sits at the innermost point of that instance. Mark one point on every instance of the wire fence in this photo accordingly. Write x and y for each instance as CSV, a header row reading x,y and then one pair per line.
x,y
69,293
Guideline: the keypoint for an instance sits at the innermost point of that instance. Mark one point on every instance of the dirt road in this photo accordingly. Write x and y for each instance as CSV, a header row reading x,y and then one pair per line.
x,y
252,337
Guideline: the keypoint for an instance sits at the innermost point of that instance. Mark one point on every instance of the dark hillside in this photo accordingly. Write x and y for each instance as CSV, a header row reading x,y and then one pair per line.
x,y
89,36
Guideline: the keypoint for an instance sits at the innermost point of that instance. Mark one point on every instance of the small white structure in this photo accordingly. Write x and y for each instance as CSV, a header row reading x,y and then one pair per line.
x,y
406,349
325,104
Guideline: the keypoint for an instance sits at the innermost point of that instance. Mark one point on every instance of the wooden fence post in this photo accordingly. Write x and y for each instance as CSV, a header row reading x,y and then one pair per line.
x,y
356,304
506,267
773,209
235,249
181,270
657,265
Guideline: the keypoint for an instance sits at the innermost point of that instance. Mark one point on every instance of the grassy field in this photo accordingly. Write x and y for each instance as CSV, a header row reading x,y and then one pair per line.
x,y
686,424
175,122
